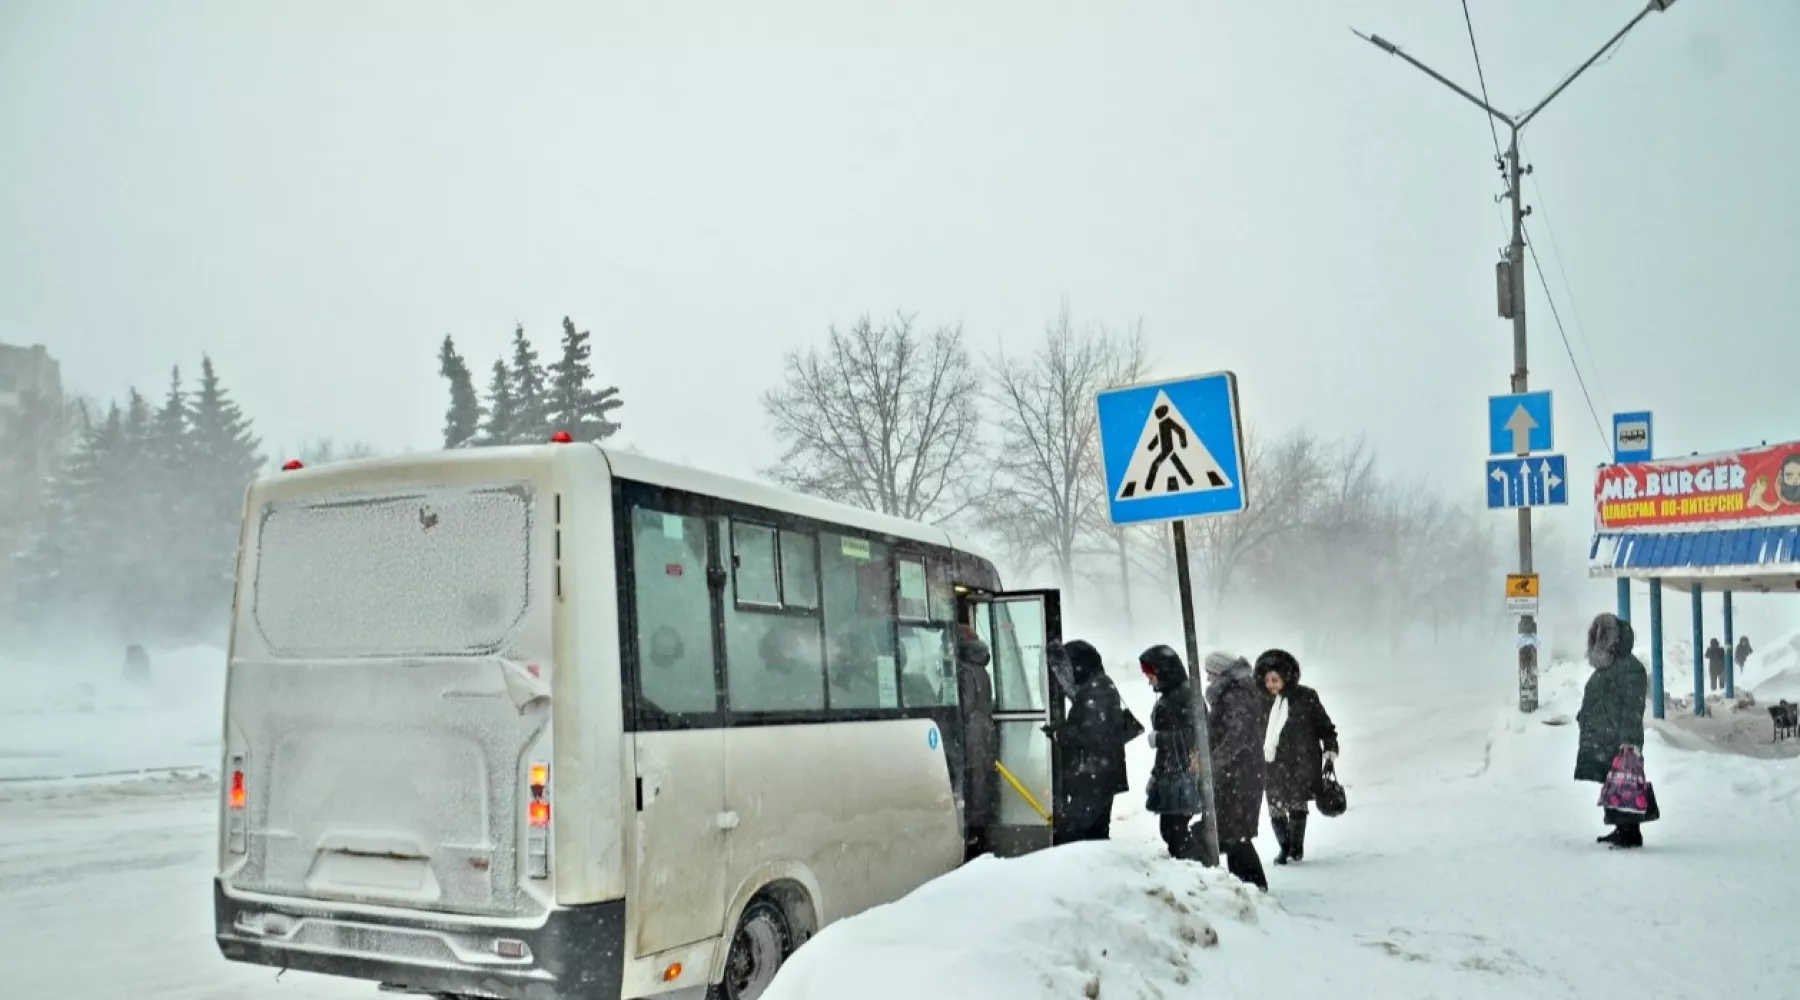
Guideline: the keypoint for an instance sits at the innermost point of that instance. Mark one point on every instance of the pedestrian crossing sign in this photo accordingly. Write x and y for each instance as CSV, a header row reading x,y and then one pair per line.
x,y
1173,449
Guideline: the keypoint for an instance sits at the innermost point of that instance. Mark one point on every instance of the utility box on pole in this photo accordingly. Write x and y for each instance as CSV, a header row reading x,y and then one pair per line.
x,y
1503,288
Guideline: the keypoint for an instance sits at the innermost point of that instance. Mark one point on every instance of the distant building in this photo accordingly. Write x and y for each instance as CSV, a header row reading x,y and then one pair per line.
x,y
30,379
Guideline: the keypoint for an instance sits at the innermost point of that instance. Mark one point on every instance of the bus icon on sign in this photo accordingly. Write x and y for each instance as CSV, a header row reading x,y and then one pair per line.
x,y
1631,437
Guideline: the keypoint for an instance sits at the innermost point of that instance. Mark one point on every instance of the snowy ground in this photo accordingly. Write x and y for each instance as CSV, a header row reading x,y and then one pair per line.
x,y
1465,868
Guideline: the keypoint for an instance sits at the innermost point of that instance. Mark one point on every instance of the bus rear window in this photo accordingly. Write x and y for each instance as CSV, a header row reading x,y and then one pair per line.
x,y
439,572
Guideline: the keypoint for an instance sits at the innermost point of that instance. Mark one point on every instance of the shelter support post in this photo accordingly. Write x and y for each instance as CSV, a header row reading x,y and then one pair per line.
x,y
1656,650
1698,615
1730,659
1624,599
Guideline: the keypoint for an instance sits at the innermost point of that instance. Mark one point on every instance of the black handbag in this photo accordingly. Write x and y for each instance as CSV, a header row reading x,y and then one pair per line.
x,y
1331,800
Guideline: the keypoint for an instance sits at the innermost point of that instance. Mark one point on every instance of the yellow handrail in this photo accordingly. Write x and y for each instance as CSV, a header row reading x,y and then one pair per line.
x,y
1017,787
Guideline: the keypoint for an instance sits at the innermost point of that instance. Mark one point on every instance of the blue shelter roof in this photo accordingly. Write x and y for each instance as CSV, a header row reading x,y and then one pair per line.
x,y
1763,558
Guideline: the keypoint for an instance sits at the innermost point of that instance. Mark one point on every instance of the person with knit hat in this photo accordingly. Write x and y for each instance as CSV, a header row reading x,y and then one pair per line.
x,y
1237,714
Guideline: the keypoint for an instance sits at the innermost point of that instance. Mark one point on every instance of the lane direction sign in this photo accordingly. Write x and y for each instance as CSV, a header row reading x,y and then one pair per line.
x,y
1530,481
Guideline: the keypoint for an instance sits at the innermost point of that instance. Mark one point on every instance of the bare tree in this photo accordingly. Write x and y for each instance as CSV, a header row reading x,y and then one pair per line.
x,y
882,417
1050,489
326,450
1283,476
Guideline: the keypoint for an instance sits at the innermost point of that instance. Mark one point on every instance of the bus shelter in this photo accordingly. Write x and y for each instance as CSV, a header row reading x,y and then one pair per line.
x,y
1721,524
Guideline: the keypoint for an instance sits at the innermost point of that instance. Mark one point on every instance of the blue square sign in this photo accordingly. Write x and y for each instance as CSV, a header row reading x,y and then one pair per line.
x,y
1173,450
1519,424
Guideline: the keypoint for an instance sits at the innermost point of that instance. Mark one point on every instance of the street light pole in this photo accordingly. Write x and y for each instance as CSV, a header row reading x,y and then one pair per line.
x,y
1512,290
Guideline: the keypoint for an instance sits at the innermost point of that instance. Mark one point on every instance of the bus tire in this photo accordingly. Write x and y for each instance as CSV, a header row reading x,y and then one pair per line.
x,y
763,941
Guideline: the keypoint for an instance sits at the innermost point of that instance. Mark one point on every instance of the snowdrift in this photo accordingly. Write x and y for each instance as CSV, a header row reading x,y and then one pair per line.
x,y
1087,920
80,719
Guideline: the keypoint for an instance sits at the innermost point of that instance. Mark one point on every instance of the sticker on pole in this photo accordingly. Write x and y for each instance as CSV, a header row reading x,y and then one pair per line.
x,y
931,738
1522,593
1172,450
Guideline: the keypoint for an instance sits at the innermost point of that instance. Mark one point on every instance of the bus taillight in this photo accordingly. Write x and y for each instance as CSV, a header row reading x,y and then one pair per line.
x,y
537,818
236,797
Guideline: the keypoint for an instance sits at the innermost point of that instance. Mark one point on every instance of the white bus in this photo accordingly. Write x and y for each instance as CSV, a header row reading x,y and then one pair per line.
x,y
555,722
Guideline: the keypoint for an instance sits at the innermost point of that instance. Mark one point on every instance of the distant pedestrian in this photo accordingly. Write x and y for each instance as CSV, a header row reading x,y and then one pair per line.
x,y
1173,792
1612,716
1742,652
1300,739
137,664
1237,716
1715,665
1092,739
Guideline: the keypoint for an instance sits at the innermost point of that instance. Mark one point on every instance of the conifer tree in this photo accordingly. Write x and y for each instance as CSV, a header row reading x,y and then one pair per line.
x,y
530,395
502,413
462,421
574,405
226,458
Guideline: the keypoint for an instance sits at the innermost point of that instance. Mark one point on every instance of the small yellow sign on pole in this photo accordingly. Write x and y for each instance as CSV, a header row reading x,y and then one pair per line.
x,y
1522,593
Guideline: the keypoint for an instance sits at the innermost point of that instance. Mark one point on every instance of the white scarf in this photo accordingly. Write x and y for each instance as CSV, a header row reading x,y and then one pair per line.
x,y
1278,715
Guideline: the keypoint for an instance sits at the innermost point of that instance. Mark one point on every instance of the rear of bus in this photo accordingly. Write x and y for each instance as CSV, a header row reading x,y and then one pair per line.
x,y
391,791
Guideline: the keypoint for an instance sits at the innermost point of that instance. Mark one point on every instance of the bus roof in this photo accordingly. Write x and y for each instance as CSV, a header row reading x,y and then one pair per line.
x,y
625,465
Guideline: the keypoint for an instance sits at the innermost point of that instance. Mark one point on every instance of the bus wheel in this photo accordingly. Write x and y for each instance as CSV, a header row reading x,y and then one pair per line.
x,y
762,942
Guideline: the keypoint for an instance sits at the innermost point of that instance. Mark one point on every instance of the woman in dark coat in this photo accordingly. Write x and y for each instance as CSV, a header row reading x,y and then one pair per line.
x,y
1612,715
1173,792
1091,741
1297,743
1236,716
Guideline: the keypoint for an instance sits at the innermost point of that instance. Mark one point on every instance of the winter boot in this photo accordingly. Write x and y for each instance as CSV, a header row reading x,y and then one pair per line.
x,y
1630,836
1297,837
1609,838
1280,822
1242,861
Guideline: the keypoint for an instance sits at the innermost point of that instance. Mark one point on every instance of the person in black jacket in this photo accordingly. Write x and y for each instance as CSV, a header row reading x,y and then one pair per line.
x,y
1174,788
975,699
1236,718
1297,744
1612,716
1091,740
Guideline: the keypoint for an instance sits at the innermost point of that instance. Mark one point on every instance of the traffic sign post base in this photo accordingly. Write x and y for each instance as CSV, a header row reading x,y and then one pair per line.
x,y
1209,820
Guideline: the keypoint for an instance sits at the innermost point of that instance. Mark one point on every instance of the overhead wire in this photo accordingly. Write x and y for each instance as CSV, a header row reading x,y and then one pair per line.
x,y
1555,314
1570,350
1587,346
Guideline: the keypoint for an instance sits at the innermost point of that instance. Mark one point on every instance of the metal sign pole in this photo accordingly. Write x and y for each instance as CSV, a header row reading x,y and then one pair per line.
x,y
1209,820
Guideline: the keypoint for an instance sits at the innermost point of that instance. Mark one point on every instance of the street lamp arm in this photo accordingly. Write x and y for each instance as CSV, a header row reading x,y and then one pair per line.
x,y
1394,50
1653,5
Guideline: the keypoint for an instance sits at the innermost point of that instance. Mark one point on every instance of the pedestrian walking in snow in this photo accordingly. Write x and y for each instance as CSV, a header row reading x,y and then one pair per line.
x,y
1092,740
1173,792
1612,718
1298,742
1237,715
975,698
1742,653
1715,665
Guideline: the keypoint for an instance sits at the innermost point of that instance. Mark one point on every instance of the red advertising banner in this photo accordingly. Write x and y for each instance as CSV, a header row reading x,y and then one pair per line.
x,y
1723,490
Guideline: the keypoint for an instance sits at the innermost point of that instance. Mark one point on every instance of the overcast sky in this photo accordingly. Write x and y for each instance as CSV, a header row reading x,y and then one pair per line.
x,y
315,193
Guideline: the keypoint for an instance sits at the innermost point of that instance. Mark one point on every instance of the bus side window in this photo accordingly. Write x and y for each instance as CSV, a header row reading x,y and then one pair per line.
x,y
773,661
674,613
927,667
859,623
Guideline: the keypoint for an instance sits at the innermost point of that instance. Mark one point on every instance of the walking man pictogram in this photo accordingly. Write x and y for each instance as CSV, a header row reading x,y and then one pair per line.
x,y
1166,430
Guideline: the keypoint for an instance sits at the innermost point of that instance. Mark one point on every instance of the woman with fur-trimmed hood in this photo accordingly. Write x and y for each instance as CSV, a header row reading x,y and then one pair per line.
x,y
1298,742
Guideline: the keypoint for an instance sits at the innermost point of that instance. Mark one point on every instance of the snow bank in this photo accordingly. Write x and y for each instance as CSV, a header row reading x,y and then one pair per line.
x,y
60,719
1108,920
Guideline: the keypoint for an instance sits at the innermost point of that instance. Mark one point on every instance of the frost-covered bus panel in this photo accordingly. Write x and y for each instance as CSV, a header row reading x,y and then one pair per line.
x,y
753,697
393,804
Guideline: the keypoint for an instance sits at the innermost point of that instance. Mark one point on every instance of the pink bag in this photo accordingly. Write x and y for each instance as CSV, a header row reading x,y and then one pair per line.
x,y
1626,789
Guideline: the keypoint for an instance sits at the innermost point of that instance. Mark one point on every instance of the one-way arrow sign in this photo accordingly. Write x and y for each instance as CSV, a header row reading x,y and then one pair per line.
x,y
1519,424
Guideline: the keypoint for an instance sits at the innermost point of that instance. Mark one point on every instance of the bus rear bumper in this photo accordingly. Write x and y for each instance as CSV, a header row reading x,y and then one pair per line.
x,y
574,954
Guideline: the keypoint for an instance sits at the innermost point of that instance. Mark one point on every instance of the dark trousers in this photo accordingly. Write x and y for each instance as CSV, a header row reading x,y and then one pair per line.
x,y
1081,818
1174,829
1242,861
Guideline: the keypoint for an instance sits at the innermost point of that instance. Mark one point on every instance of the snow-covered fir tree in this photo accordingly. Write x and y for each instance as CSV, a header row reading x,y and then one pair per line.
x,y
502,419
462,421
530,394
575,405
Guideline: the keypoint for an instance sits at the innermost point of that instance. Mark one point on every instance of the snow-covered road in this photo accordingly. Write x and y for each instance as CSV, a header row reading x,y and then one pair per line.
x,y
1465,868
105,895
